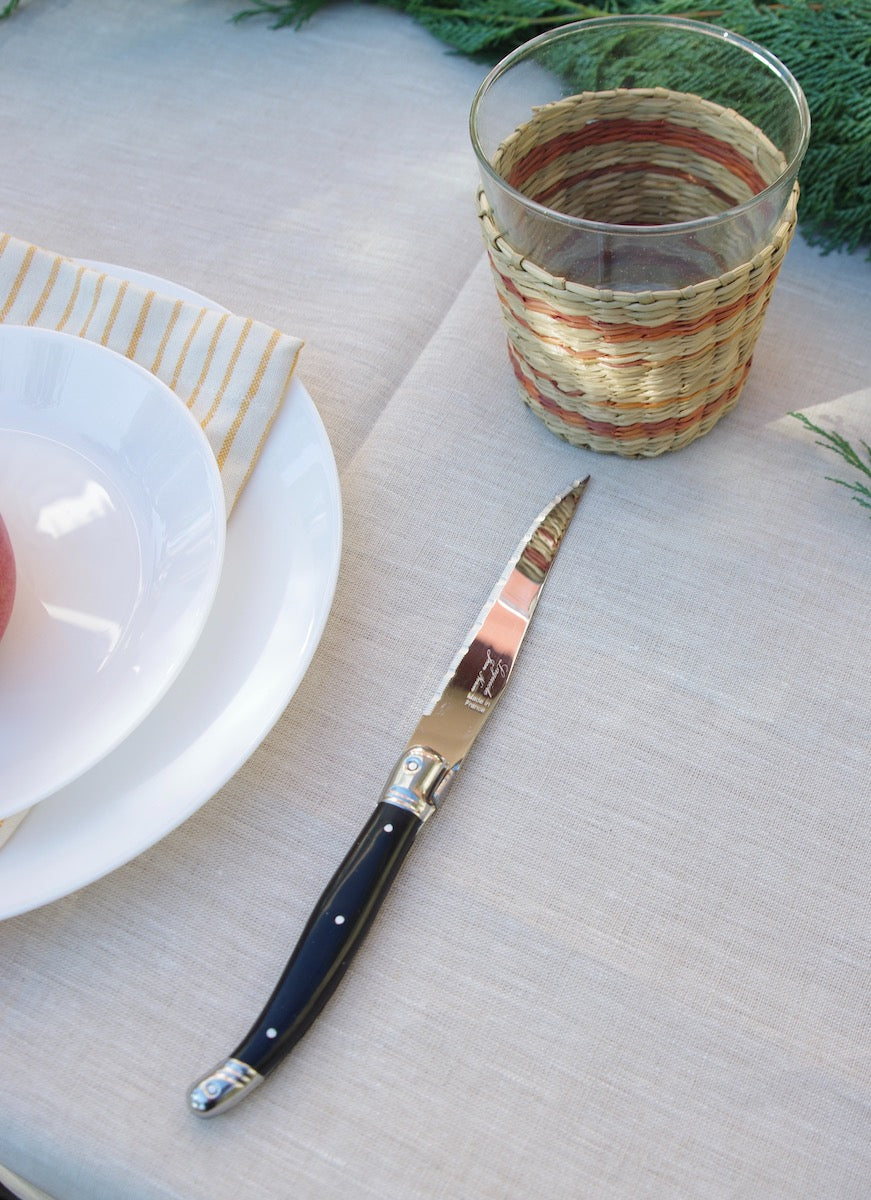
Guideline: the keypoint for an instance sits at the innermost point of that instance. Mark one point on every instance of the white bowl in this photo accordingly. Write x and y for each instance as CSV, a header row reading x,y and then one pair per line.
x,y
115,508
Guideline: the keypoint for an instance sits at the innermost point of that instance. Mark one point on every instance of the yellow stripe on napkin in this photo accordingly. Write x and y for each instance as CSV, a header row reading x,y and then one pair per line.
x,y
8,825
231,372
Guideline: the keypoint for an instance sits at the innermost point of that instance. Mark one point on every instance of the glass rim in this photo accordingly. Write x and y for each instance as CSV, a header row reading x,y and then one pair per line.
x,y
702,28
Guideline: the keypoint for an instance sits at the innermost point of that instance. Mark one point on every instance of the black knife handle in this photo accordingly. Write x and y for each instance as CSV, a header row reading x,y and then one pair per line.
x,y
332,935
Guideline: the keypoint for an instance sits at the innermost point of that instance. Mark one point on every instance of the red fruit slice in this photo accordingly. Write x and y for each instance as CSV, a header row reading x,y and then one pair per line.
x,y
7,577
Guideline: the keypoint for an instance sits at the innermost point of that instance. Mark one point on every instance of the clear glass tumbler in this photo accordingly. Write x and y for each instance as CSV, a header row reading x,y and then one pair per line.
x,y
639,152
638,196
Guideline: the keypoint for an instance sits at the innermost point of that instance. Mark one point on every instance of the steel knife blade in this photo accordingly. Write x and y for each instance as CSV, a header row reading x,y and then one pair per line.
x,y
426,768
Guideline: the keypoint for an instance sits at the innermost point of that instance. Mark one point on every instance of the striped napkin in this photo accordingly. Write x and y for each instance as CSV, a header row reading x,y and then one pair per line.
x,y
231,372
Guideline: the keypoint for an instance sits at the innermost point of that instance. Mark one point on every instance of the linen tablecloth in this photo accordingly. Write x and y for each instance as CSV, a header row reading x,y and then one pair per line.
x,y
630,957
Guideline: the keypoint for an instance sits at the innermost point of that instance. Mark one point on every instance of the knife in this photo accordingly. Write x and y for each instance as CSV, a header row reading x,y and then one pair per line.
x,y
426,769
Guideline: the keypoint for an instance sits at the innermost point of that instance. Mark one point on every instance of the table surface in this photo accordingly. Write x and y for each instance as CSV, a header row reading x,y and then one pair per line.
x,y
630,956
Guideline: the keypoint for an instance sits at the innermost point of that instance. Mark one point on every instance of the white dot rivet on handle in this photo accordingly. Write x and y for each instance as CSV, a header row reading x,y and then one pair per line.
x,y
271,1033
340,920
388,829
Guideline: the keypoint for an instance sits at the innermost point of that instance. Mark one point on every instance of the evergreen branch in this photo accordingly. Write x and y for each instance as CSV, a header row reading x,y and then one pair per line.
x,y
826,46
840,446
475,28
864,493
295,13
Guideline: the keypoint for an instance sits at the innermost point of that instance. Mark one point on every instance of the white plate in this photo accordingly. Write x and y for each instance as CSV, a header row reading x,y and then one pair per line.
x,y
280,569
115,511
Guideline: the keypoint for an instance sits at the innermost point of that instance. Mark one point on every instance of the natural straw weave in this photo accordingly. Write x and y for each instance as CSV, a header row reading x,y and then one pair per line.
x,y
634,373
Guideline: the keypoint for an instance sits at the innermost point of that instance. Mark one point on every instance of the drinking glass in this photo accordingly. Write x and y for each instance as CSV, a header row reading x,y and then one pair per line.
x,y
639,192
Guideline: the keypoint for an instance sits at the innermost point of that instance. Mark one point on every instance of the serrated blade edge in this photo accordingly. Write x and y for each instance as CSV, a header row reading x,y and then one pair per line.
x,y
481,668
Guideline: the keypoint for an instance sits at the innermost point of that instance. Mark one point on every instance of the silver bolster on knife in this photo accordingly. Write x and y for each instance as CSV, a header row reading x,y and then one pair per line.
x,y
419,781
221,1089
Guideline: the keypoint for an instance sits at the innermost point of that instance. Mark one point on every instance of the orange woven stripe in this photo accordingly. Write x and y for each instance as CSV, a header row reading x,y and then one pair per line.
x,y
616,333
642,406
599,353
623,433
663,133
645,168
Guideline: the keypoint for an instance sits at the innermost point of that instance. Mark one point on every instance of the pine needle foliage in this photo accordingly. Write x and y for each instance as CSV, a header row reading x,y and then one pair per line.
x,y
826,45
839,445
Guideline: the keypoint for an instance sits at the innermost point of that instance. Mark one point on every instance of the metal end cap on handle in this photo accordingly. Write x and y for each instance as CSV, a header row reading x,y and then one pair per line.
x,y
223,1087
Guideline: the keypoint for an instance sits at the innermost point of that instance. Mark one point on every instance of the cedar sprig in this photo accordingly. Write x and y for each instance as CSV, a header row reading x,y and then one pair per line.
x,y
475,27
826,45
839,445
294,12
